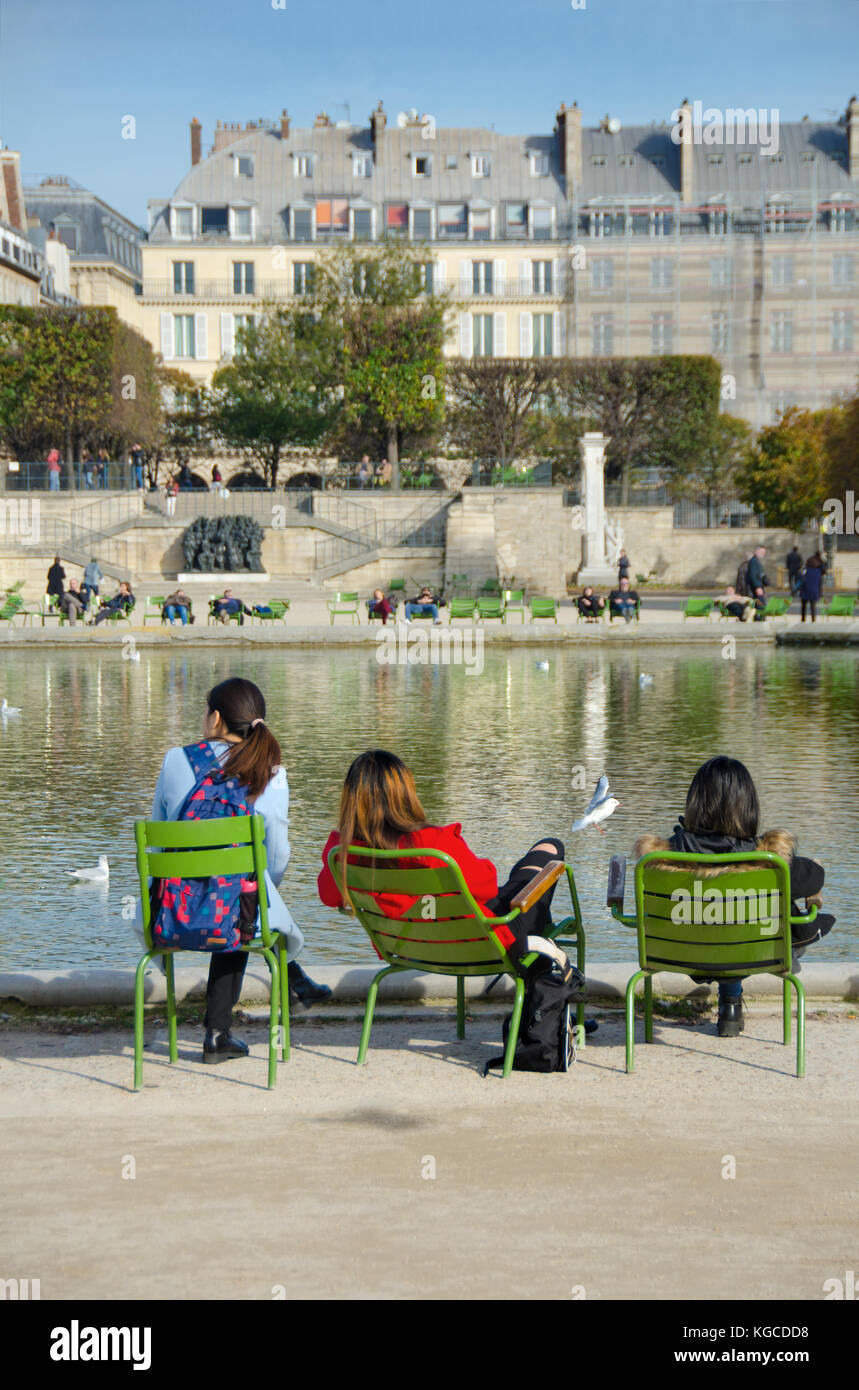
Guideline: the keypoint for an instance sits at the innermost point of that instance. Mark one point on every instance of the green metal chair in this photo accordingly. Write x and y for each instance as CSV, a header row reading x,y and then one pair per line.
x,y
840,606
612,615
201,849
514,602
153,608
698,608
397,586
460,586
345,605
589,617
490,588
12,608
461,608
718,946
543,608
490,608
277,612
461,942
775,608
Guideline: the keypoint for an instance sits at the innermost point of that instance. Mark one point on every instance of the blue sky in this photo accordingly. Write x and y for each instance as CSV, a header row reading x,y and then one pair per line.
x,y
70,70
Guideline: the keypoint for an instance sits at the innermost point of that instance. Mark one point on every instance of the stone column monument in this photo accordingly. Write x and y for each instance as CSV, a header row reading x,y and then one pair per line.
x,y
596,568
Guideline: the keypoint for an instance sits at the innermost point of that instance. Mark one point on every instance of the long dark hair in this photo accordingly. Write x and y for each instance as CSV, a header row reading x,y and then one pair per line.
x,y
253,761
722,799
378,804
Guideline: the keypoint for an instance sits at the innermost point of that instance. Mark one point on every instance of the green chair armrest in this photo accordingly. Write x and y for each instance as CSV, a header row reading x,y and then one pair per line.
x,y
804,918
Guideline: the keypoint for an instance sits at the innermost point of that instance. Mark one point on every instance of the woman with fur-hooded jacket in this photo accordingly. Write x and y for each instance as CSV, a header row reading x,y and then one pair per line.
x,y
721,817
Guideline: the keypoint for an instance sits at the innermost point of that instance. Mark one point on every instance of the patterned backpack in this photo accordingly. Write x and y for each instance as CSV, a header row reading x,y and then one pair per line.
x,y
206,914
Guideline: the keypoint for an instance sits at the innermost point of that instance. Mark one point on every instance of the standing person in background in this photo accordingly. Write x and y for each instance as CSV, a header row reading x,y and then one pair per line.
x,y
757,578
137,466
217,479
88,465
623,566
171,490
793,562
56,575
101,467
383,474
185,479
92,577
53,461
812,583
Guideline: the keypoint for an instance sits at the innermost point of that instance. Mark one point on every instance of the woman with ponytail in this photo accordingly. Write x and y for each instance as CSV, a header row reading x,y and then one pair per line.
x,y
234,727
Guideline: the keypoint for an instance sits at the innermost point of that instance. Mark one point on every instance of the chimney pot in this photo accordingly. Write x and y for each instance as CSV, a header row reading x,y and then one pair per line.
x,y
196,141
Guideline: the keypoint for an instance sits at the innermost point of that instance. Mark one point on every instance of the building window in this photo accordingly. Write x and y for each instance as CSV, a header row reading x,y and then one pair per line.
x,y
516,219
243,324
67,233
397,219
720,272
602,335
842,270
429,277
745,158
302,277
839,220
241,222
451,162
661,273
183,335
362,222
243,277
244,165
542,328
362,166
480,166
598,161
717,220
719,333
602,273
541,224
332,216
302,224
214,220
658,161
781,270
776,218
661,222
421,166
715,159
481,277
541,275
481,224
302,166
183,277
781,333
183,222
482,335
539,164
626,161
661,334
421,224
842,330
601,222
452,220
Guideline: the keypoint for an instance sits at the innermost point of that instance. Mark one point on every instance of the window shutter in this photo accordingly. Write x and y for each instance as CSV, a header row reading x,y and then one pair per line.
x,y
228,334
525,278
201,336
465,335
525,344
465,277
167,348
558,335
499,277
557,276
499,334
441,274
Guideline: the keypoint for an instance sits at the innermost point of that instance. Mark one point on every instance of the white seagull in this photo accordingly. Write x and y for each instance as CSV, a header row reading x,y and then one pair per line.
x,y
6,708
100,874
542,665
601,807
644,680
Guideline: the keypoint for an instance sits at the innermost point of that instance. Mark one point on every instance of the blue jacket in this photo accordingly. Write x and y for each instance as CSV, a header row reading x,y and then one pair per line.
x,y
812,582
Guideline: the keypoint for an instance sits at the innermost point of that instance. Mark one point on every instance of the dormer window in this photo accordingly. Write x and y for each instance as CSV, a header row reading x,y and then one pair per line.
x,y
598,160
715,159
450,161
480,166
303,166
421,166
658,161
745,158
241,223
243,165
626,161
182,219
362,166
539,164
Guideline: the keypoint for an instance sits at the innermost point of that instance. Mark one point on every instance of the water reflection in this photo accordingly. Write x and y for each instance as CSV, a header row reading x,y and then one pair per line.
x,y
492,751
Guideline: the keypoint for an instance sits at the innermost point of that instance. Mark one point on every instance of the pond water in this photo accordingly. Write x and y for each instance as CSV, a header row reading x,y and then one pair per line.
x,y
496,751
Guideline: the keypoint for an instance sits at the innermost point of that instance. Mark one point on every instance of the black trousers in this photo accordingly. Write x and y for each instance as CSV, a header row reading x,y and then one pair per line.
x,y
226,972
812,604
535,921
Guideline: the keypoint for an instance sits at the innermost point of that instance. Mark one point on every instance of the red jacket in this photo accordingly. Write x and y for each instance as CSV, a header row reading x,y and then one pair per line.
x,y
479,874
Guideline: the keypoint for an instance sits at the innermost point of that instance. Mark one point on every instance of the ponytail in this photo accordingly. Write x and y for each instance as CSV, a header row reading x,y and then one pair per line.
x,y
254,760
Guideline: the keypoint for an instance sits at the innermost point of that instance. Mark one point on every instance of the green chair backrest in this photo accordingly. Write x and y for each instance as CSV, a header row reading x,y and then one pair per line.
x,y
775,608
12,605
444,930
731,924
512,596
460,581
698,608
343,598
200,849
543,607
461,608
841,606
490,586
490,608
397,586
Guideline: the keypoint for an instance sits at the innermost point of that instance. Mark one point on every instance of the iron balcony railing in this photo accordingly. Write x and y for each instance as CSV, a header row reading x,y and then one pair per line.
x,y
495,287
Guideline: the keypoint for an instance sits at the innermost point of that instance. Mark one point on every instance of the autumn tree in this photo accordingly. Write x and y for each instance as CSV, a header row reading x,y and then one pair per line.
x,y
785,478
493,405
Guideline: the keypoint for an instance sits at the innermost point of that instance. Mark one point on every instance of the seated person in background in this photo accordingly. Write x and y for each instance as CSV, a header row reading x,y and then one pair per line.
x,y
734,603
383,474
589,604
177,605
426,602
623,601
721,817
123,602
379,605
73,602
226,608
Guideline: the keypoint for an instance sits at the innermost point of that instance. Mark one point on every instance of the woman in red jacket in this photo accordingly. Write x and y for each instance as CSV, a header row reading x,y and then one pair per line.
x,y
379,806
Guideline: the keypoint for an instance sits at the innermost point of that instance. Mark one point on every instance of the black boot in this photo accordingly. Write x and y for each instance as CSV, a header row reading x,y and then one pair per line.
x,y
304,990
222,1047
731,1022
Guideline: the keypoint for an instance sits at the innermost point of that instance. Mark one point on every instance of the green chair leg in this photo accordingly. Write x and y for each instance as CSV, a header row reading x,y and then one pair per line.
x,y
786,1010
648,1009
138,1019
460,1006
630,1020
370,1010
274,1008
171,1009
513,1034
800,1024
283,966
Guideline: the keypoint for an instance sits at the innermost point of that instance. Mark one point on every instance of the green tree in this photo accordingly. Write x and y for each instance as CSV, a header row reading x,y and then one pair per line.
x,y
393,334
785,479
493,405
716,470
842,449
282,386
186,425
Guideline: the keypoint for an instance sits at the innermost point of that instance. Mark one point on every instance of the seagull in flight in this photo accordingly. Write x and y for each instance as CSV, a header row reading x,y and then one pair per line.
x,y
600,808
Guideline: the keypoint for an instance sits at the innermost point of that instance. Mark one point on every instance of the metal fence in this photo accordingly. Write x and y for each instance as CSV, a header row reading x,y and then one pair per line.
x,y
35,477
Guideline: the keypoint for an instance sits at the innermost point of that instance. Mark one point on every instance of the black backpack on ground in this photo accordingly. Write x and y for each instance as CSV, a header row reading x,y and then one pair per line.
x,y
547,1031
